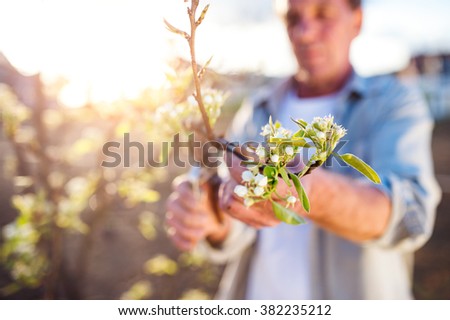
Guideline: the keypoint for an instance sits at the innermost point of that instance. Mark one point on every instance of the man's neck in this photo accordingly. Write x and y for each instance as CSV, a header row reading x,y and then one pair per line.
x,y
309,89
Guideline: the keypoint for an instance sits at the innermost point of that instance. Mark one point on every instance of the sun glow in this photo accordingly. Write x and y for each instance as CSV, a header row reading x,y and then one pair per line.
x,y
105,49
110,49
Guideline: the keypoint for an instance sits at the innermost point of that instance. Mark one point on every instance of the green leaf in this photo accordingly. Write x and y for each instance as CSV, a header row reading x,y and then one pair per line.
x,y
302,123
299,134
272,176
285,177
360,165
301,192
277,140
300,143
286,215
296,142
270,172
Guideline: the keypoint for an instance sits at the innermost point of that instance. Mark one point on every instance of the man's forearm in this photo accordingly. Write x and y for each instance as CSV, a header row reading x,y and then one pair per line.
x,y
348,208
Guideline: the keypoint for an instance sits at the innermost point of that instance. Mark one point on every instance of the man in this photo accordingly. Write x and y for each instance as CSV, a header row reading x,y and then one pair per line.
x,y
360,239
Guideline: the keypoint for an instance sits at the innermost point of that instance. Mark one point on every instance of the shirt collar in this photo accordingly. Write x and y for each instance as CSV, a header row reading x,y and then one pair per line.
x,y
354,90
356,87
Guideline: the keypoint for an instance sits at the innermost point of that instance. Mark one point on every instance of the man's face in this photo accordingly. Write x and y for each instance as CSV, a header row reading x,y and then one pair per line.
x,y
321,32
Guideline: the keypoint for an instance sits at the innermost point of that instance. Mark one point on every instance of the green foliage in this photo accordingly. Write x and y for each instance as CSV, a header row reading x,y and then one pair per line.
x,y
286,215
361,166
301,192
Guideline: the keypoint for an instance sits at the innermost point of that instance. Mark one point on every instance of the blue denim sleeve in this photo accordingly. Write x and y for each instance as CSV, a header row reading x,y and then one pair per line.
x,y
401,154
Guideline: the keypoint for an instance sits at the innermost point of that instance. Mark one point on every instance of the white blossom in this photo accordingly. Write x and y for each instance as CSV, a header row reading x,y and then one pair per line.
x,y
247,176
329,119
321,135
261,180
340,132
191,101
291,200
258,191
207,99
10,231
261,152
266,130
254,169
275,158
241,191
316,119
279,135
282,133
289,151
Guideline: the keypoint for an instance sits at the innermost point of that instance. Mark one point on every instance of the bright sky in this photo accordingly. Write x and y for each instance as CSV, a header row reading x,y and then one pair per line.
x,y
118,47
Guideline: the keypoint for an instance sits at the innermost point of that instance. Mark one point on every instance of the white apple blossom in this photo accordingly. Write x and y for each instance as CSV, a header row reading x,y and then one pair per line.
x,y
261,180
266,130
10,231
279,135
260,152
321,135
258,191
191,101
340,132
247,176
241,191
289,150
291,200
207,99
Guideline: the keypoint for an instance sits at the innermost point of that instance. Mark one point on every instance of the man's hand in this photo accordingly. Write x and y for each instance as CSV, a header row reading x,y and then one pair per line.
x,y
191,218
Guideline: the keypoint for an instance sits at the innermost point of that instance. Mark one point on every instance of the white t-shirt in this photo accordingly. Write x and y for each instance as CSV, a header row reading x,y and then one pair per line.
x,y
280,268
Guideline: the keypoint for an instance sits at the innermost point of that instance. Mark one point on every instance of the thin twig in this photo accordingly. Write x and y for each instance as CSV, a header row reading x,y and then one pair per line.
x,y
198,90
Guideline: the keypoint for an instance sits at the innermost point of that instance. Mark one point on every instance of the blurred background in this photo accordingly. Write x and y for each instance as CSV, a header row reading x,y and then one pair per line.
x,y
77,74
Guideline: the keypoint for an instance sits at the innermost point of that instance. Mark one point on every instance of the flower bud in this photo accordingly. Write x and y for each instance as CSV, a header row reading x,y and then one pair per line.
x,y
289,151
258,191
275,158
321,135
261,180
261,152
266,130
291,200
247,176
241,191
340,132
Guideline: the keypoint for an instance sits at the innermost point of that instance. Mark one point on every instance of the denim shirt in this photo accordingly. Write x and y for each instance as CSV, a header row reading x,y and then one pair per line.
x,y
389,127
